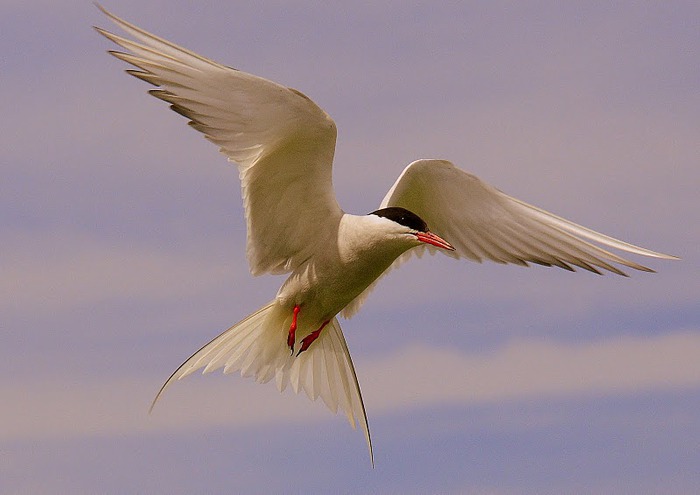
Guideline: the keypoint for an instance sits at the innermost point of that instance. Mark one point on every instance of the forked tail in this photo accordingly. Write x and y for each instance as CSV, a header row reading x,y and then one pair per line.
x,y
257,347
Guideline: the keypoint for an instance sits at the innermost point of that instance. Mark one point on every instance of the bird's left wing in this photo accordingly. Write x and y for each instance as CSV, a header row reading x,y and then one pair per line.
x,y
282,141
481,222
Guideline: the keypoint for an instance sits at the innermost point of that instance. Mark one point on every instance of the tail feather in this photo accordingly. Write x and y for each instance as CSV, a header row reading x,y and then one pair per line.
x,y
256,346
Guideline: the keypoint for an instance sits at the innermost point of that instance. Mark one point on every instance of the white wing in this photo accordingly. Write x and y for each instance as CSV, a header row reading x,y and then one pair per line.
x,y
283,142
481,222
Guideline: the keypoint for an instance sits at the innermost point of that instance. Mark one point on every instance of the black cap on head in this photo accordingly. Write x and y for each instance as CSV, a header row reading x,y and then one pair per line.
x,y
402,216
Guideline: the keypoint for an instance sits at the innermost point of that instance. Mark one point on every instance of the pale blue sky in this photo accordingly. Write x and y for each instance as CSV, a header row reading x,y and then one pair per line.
x,y
123,251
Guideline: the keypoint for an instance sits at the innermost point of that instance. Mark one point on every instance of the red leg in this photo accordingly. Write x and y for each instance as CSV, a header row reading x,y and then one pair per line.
x,y
292,329
308,340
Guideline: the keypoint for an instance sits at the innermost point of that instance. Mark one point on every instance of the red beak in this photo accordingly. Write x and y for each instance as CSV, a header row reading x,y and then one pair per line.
x,y
435,240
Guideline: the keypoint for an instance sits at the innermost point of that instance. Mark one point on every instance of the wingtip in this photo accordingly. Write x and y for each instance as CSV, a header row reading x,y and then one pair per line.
x,y
153,404
155,399
103,10
369,447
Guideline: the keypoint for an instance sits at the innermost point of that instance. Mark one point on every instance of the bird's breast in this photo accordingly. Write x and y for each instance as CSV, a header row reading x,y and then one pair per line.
x,y
330,280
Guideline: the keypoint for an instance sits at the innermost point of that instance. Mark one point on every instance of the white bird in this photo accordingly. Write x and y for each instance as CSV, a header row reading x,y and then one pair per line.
x,y
283,144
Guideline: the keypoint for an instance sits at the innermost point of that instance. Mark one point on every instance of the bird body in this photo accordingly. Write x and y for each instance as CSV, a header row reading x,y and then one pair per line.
x,y
354,255
283,144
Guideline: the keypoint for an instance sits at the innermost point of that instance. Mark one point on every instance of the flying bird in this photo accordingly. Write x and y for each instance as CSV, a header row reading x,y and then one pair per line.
x,y
283,144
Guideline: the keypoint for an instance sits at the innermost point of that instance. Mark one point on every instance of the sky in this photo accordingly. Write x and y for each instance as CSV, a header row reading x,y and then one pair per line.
x,y
123,252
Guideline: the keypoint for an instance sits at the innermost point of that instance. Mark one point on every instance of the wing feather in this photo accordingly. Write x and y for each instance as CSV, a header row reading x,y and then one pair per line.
x,y
282,142
484,223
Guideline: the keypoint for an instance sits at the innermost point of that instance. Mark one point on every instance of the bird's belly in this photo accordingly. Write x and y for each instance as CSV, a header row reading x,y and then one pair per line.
x,y
323,294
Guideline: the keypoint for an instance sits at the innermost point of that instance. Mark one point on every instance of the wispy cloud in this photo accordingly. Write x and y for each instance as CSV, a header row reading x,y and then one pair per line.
x,y
414,377
422,376
50,272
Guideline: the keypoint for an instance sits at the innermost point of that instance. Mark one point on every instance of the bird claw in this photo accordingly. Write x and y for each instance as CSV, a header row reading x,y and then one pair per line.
x,y
309,339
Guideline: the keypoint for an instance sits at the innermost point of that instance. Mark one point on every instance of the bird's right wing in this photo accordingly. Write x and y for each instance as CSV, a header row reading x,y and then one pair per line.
x,y
283,142
481,222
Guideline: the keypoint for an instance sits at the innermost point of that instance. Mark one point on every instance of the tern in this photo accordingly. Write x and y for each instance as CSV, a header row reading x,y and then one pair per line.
x,y
283,144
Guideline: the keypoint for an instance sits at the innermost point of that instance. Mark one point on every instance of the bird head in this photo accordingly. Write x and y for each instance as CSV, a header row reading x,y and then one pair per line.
x,y
408,225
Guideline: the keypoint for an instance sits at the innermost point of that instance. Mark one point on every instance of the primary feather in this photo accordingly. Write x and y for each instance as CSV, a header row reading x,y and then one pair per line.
x,y
282,142
482,223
